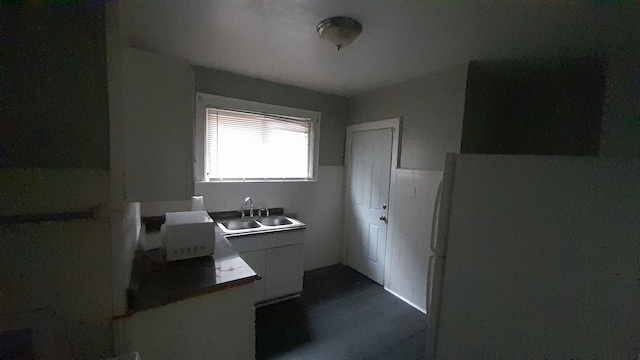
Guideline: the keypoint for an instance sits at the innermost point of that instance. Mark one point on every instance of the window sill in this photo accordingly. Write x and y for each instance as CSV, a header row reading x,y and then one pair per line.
x,y
238,181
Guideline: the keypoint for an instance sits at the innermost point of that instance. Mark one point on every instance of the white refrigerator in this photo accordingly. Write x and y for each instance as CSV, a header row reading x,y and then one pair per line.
x,y
535,257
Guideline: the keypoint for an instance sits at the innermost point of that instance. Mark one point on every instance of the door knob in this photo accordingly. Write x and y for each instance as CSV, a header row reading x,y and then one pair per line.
x,y
383,218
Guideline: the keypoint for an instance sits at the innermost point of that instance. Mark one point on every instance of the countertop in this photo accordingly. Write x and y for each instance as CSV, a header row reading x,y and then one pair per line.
x,y
155,282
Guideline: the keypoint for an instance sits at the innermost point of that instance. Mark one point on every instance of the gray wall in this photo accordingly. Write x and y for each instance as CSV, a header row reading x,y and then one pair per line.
x,y
431,107
53,89
333,108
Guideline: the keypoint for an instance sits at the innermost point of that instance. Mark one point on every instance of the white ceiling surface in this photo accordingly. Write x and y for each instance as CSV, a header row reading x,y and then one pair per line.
x,y
276,40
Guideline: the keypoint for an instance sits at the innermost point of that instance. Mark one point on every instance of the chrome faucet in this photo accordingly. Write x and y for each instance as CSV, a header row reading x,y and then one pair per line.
x,y
248,200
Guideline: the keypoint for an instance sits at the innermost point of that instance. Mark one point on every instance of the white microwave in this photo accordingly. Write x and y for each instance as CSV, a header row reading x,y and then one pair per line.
x,y
188,234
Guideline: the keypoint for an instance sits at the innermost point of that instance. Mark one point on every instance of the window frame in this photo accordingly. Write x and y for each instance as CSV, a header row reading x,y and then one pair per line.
x,y
204,101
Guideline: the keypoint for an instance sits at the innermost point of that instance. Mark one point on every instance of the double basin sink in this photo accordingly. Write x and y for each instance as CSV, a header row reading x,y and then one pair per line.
x,y
253,225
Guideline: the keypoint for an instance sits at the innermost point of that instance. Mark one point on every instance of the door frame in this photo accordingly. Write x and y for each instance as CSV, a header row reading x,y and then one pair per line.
x,y
395,124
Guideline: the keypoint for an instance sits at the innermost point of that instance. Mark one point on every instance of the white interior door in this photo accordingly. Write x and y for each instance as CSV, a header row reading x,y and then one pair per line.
x,y
369,172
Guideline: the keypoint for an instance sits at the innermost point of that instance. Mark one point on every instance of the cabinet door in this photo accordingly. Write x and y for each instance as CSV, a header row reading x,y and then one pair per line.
x,y
157,108
256,259
284,271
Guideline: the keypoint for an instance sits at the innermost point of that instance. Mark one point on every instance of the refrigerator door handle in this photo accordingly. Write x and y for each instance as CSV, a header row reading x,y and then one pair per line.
x,y
434,303
440,230
430,277
435,218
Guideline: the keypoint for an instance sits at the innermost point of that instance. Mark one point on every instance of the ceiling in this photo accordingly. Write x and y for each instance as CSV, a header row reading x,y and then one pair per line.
x,y
276,40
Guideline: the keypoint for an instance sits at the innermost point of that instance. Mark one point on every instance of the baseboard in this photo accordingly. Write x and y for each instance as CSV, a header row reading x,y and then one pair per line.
x,y
424,311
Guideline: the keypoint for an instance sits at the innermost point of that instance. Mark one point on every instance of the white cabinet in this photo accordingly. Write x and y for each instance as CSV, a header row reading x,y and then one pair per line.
x,y
256,259
277,258
157,109
284,271
218,325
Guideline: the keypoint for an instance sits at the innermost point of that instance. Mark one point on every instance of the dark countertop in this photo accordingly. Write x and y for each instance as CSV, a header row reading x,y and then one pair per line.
x,y
155,282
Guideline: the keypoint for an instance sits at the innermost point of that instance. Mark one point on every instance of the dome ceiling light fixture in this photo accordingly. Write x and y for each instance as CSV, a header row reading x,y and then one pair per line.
x,y
339,30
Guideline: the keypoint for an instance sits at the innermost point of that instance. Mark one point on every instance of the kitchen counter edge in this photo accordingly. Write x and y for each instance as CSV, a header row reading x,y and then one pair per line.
x,y
156,283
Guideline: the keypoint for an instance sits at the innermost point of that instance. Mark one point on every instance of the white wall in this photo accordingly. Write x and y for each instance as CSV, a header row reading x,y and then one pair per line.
x,y
318,204
413,194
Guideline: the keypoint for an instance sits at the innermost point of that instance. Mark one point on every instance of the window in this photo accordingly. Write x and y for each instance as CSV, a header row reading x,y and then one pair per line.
x,y
239,140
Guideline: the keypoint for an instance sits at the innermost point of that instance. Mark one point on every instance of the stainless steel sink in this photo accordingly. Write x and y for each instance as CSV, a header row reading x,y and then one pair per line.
x,y
275,220
257,225
240,224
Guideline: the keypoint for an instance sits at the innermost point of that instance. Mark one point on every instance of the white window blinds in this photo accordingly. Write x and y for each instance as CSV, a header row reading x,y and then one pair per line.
x,y
246,145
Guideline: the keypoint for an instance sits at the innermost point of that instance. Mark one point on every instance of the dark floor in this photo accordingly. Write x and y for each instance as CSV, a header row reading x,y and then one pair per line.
x,y
340,315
